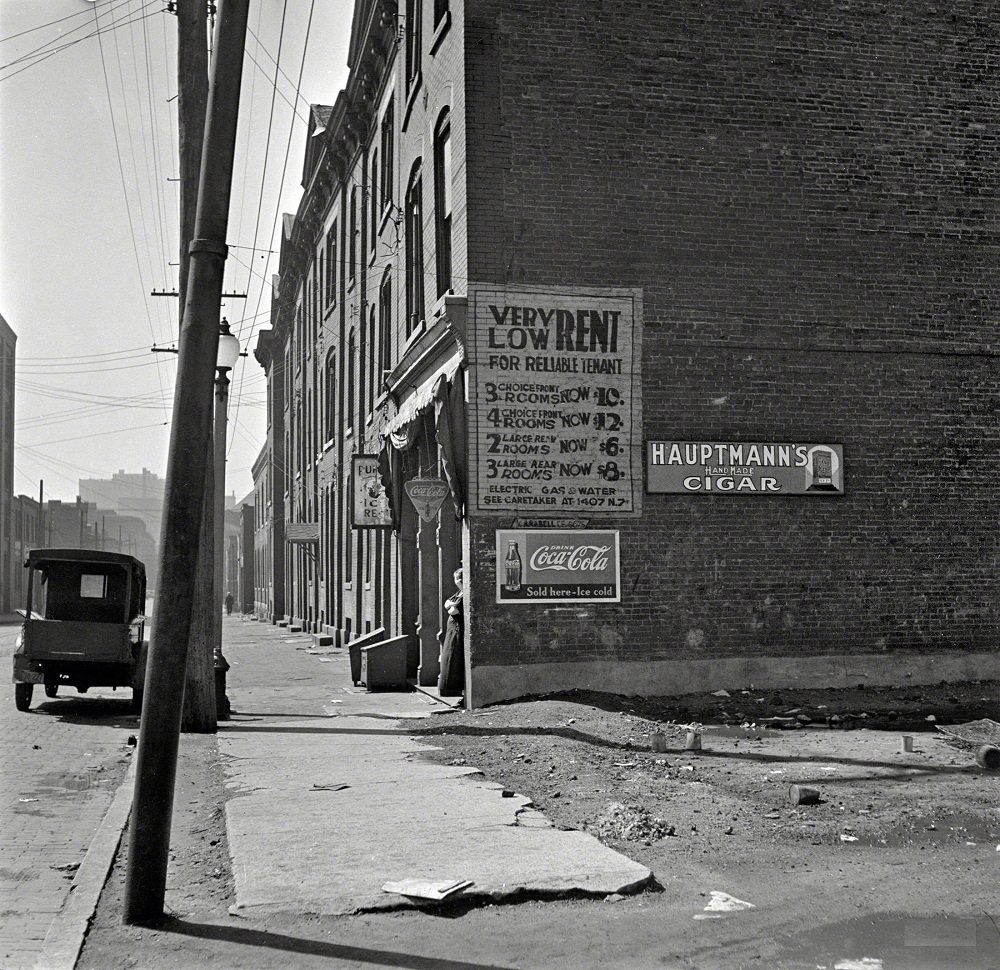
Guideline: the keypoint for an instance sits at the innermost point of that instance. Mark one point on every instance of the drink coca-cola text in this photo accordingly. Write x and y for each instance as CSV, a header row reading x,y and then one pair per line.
x,y
570,558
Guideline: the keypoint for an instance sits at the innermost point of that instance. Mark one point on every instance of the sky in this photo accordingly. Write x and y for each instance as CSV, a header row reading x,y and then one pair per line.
x,y
88,221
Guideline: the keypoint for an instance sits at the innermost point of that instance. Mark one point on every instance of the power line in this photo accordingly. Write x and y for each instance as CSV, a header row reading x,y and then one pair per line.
x,y
128,211
51,23
284,168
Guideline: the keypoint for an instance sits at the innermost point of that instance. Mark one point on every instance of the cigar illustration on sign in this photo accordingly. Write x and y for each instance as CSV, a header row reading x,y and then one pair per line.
x,y
557,566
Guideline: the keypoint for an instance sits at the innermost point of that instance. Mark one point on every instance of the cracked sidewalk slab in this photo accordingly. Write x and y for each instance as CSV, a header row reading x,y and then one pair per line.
x,y
295,849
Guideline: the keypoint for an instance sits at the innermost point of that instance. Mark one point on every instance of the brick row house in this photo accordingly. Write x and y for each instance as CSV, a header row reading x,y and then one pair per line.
x,y
691,307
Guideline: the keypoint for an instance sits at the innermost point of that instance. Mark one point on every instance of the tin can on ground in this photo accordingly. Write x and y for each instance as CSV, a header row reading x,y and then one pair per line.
x,y
802,795
907,743
988,756
657,741
693,741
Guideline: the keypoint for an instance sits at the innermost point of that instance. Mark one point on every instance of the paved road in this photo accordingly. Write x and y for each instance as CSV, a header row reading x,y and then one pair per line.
x,y
60,765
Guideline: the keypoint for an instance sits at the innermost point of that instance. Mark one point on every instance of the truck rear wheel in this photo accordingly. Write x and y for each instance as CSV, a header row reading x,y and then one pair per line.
x,y
22,696
51,690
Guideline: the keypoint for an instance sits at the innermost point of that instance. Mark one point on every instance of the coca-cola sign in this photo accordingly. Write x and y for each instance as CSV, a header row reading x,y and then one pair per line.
x,y
557,566
427,496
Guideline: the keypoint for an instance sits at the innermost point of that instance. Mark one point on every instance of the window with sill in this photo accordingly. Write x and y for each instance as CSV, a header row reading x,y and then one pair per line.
x,y
414,15
331,265
349,384
385,326
331,394
371,358
352,242
414,242
386,148
373,205
442,201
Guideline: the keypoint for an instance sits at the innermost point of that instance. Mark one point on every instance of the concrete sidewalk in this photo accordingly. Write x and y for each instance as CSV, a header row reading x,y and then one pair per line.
x,y
299,843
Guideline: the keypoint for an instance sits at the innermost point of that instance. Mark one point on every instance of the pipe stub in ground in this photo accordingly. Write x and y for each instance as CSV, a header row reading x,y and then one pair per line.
x,y
988,756
803,795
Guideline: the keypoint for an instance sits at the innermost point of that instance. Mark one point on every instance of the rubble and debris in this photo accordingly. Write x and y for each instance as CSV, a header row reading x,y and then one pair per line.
x,y
803,795
631,823
722,903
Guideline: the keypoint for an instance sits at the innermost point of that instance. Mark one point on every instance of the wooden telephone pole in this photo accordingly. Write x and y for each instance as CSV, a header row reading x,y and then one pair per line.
x,y
192,102
190,436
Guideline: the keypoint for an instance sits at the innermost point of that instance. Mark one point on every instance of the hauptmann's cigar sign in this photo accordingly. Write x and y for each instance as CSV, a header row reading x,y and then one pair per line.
x,y
744,468
555,400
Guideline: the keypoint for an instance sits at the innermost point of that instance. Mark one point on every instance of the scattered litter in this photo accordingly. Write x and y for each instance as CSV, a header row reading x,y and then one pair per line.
x,y
776,771
906,745
828,768
27,799
687,767
333,786
930,717
626,764
614,898
427,889
334,702
329,713
721,693
865,963
325,660
722,903
773,815
632,824
37,747
131,740
844,837
66,867
506,793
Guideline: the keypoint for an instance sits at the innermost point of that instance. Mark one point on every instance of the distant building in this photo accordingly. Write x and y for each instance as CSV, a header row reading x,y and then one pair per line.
x,y
239,553
82,525
8,350
27,532
135,494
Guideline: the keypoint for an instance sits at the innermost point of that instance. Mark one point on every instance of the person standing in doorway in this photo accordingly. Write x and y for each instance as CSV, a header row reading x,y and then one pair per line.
x,y
229,604
451,680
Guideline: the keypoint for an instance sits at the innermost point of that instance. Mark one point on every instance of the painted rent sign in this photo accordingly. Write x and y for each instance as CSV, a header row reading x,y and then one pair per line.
x,y
744,468
555,400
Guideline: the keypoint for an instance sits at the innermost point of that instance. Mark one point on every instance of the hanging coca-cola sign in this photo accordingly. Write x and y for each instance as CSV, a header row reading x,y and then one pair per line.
x,y
557,566
427,496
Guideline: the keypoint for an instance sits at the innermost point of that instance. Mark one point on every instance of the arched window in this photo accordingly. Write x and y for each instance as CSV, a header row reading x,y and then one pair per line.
x,y
373,204
442,201
352,243
414,251
350,383
385,327
331,395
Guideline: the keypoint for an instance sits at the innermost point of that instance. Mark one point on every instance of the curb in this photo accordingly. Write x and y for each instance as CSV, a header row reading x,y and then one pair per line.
x,y
69,927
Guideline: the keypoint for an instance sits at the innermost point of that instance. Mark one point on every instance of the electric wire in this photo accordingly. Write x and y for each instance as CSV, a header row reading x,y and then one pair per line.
x,y
128,211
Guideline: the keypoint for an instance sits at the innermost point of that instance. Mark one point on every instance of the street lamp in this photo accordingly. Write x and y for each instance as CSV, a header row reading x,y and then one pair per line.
x,y
225,361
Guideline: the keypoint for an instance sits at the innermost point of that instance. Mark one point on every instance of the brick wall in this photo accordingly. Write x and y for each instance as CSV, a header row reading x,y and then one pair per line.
x,y
807,194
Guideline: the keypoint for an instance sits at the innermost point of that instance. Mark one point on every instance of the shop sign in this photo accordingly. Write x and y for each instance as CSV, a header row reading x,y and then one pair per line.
x,y
555,400
427,496
370,504
557,566
744,468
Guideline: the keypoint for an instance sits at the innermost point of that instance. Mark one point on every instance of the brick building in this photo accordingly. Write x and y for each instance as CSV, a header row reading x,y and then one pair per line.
x,y
8,363
761,230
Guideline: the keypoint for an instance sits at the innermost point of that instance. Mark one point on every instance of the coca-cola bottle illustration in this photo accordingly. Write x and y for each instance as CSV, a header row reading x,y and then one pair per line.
x,y
512,568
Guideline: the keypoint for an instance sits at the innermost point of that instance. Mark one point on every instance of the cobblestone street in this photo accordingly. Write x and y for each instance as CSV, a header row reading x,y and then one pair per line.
x,y
61,763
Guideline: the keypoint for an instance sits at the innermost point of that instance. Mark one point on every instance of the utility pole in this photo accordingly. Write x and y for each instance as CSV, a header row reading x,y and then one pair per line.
x,y
199,714
41,512
190,439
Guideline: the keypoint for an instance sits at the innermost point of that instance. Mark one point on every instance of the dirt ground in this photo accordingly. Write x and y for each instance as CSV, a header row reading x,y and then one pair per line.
x,y
895,835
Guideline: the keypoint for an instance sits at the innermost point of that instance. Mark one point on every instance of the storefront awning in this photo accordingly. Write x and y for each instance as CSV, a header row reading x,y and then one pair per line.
x,y
401,430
